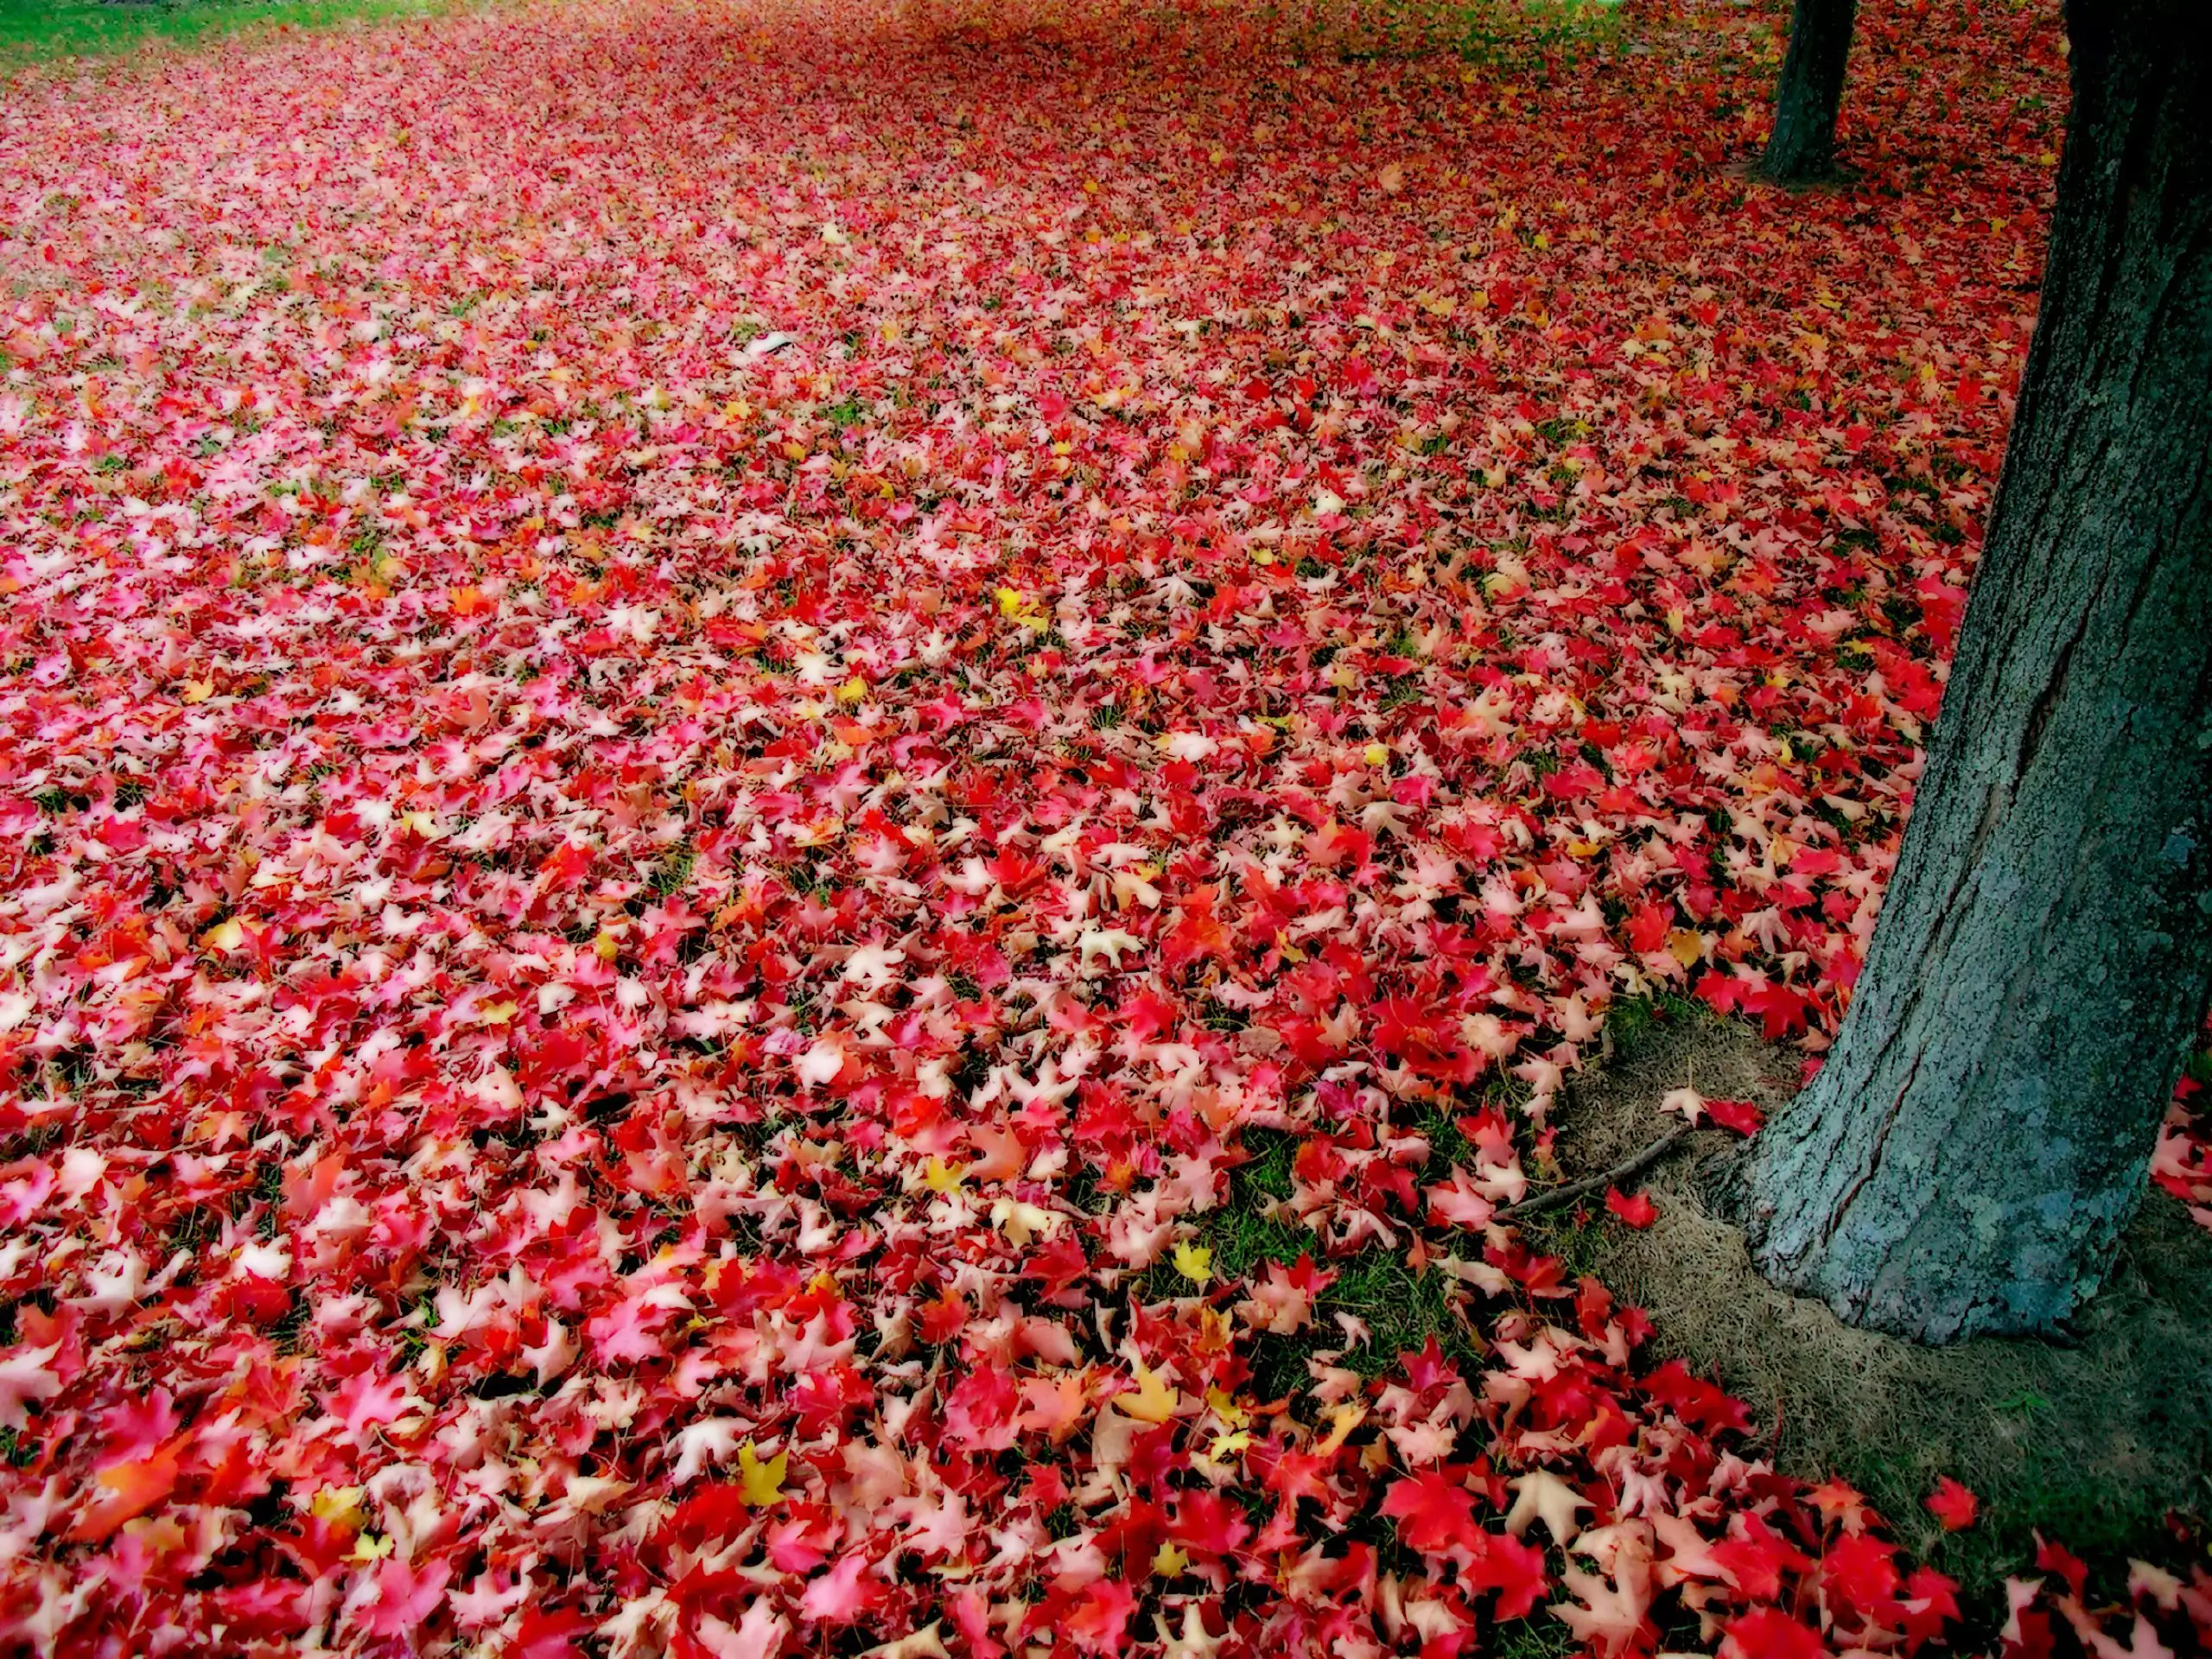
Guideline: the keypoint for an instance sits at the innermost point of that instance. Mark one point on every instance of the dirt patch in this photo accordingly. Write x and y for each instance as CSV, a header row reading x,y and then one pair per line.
x,y
2096,1443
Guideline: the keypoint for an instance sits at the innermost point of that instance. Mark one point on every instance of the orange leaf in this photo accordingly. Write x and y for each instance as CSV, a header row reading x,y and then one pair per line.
x,y
1004,1157
126,1491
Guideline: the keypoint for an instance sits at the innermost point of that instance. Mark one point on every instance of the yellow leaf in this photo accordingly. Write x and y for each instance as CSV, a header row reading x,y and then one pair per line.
x,y
1215,1333
225,936
370,1547
339,1505
1021,1221
1377,755
1227,1410
940,1177
763,1482
1349,1416
1685,946
852,690
496,1013
1154,1401
199,690
1194,1262
1168,1562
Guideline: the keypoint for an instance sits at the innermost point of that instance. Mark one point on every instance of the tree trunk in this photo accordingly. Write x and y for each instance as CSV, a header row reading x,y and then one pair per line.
x,y
1801,150
1966,1161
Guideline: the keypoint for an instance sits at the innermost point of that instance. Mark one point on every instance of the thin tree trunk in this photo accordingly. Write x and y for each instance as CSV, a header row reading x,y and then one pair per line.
x,y
1801,150
1966,1159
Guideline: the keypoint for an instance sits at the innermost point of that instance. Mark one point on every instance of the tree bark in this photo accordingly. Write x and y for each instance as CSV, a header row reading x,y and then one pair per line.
x,y
1801,148
1966,1161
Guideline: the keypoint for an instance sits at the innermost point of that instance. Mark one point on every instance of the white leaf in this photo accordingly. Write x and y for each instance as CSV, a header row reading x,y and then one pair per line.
x,y
821,1064
24,1377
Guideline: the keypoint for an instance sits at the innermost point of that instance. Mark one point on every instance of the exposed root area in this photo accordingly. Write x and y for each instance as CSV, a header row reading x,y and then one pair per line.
x,y
2106,1442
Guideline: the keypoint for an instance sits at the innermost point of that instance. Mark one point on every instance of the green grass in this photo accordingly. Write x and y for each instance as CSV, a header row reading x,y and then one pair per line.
x,y
1541,1638
1630,1021
35,30
1516,40
1532,35
1403,1309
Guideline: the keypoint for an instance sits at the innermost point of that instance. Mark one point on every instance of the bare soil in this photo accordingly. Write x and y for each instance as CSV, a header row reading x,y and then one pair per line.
x,y
2103,1442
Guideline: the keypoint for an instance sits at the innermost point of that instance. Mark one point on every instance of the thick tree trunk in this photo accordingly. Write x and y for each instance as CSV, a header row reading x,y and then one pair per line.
x,y
1966,1159
1801,150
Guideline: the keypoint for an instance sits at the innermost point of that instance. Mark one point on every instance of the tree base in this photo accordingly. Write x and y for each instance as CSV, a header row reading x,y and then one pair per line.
x,y
1836,175
2094,1436
1972,1151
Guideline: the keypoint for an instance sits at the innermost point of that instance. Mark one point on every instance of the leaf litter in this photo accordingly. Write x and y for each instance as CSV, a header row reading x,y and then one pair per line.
x,y
712,708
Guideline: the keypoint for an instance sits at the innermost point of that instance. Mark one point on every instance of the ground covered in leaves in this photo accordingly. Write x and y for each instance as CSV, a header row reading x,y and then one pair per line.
x,y
806,810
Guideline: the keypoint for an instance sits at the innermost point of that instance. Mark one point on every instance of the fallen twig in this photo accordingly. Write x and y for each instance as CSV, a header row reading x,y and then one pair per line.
x,y
1537,1203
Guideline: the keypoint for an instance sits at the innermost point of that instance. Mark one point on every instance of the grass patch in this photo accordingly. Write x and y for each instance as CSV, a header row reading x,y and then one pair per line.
x,y
1632,1023
1528,36
1579,1235
1402,1308
33,30
1515,39
674,870
1541,1638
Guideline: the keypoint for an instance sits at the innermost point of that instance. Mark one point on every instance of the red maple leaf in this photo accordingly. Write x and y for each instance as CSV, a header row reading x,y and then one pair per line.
x,y
843,1595
1861,1569
406,1596
1638,1212
1770,1633
1953,1505
1099,1622
1755,1557
2056,1558
1741,1115
1512,1568
1434,1509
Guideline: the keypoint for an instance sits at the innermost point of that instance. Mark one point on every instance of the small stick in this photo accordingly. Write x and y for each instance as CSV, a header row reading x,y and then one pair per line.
x,y
1536,1204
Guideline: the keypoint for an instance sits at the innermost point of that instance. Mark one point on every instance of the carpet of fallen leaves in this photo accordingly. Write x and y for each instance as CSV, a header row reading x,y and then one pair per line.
x,y
708,707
